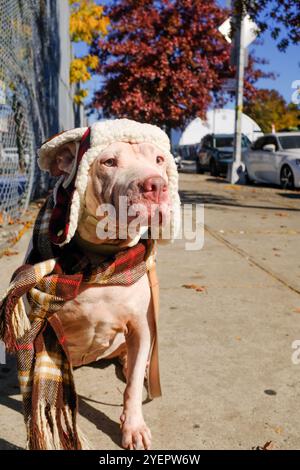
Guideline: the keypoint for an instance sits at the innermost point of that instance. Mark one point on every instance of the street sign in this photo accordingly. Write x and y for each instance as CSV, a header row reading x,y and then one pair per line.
x,y
229,85
251,30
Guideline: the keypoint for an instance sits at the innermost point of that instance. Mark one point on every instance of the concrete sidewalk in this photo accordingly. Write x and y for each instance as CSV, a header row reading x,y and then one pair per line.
x,y
225,351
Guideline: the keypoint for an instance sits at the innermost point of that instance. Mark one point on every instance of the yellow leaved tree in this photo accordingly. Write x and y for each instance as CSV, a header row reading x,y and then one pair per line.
x,y
87,23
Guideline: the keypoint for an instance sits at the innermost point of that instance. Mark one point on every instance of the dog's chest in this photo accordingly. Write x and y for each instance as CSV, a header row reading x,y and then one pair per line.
x,y
95,323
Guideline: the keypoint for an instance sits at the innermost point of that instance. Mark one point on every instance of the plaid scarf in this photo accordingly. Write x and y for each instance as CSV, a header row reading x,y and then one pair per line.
x,y
51,276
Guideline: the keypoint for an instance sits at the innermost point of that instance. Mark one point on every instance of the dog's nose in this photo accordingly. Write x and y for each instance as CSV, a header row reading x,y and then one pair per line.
x,y
154,187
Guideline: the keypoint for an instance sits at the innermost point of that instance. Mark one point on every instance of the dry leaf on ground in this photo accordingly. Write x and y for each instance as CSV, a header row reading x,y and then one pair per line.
x,y
196,287
10,252
281,214
269,445
278,430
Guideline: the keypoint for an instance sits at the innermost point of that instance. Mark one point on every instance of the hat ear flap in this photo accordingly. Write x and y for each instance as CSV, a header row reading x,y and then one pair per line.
x,y
63,160
50,149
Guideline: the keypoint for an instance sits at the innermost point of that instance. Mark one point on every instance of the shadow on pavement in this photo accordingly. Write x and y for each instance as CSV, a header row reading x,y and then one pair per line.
x,y
293,196
100,420
193,197
5,445
8,388
9,385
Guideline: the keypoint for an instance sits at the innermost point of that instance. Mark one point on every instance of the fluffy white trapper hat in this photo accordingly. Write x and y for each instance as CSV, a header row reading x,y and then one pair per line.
x,y
102,134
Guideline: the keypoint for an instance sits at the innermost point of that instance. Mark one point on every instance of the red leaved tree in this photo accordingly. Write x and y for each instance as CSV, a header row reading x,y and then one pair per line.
x,y
162,61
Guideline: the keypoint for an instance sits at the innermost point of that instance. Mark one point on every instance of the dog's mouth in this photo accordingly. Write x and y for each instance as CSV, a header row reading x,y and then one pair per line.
x,y
147,200
148,210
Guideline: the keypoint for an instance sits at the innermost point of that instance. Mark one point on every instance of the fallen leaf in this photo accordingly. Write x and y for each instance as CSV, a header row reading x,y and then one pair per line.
x,y
278,430
238,338
281,214
297,310
196,287
269,445
10,253
233,187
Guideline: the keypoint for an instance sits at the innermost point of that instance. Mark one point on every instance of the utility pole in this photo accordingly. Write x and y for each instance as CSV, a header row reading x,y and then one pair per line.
x,y
245,31
237,169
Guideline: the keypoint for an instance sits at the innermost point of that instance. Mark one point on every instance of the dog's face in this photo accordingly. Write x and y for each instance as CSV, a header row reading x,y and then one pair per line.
x,y
134,172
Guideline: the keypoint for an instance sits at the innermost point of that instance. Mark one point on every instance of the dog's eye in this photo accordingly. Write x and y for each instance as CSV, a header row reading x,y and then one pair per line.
x,y
110,162
160,160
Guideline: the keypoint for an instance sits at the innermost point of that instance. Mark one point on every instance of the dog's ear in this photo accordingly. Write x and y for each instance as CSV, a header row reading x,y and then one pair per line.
x,y
63,160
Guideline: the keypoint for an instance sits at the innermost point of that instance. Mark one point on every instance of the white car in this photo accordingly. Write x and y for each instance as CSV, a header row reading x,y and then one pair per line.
x,y
275,159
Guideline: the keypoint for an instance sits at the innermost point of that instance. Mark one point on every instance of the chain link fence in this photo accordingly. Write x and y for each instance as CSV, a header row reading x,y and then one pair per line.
x,y
29,70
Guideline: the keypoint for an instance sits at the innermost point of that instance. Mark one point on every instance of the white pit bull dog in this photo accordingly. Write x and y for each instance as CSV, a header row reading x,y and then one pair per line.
x,y
100,164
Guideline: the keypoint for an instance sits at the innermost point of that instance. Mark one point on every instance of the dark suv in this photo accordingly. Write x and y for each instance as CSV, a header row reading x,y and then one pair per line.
x,y
215,153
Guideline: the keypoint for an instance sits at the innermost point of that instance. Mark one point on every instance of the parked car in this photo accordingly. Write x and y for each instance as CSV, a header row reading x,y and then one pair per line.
x,y
275,159
177,157
188,154
215,153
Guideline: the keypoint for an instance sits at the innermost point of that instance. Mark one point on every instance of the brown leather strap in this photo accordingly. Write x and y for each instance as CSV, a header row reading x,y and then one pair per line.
x,y
154,388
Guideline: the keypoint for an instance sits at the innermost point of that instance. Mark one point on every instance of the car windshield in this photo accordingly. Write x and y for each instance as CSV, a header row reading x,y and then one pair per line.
x,y
290,141
229,141
224,142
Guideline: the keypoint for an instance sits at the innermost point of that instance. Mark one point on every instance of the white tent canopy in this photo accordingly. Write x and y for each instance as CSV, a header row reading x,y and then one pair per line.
x,y
218,121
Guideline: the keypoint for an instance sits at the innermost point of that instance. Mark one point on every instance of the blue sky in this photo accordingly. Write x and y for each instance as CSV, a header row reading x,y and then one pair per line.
x,y
285,64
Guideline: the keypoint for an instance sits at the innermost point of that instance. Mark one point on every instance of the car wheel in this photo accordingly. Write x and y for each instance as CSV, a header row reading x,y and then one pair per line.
x,y
287,177
248,180
199,169
213,168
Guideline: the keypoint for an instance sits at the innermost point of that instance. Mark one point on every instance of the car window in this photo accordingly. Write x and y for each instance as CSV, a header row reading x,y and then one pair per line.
x,y
245,141
289,141
204,142
224,142
271,139
207,142
258,145
210,142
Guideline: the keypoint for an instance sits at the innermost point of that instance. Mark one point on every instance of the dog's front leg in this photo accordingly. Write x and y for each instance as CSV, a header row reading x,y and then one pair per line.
x,y
135,433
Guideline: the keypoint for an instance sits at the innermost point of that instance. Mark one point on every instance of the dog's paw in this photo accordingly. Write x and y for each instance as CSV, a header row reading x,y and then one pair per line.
x,y
135,433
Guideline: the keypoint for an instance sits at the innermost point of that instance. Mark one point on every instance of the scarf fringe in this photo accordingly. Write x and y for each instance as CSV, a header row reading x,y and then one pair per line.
x,y
20,320
45,430
13,327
